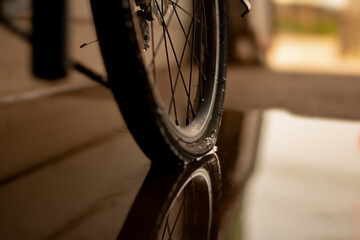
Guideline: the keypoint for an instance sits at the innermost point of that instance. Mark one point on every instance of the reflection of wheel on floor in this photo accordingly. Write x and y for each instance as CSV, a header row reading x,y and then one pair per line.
x,y
182,204
190,215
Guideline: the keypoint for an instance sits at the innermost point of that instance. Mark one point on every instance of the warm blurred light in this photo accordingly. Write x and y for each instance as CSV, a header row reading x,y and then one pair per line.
x,y
306,181
316,36
333,4
310,53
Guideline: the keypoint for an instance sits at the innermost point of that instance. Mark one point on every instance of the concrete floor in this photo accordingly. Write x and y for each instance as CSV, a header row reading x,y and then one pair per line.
x,y
68,165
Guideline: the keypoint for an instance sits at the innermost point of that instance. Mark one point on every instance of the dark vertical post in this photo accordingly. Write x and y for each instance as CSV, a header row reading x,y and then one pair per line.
x,y
1,10
50,38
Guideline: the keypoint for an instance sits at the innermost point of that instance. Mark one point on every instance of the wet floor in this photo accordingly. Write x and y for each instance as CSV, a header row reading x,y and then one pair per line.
x,y
307,178
306,184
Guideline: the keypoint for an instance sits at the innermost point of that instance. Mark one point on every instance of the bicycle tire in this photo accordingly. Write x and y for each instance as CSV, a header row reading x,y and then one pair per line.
x,y
134,85
181,204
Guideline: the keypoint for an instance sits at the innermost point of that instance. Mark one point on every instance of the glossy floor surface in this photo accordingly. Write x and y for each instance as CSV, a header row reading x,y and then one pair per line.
x,y
307,181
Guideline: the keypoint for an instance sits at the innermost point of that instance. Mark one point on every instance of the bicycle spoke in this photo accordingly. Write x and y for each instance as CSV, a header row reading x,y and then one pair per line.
x,y
153,53
171,82
201,68
163,232
161,39
190,77
183,29
195,58
204,16
176,59
182,57
194,32
177,15
177,5
181,60
167,226
177,216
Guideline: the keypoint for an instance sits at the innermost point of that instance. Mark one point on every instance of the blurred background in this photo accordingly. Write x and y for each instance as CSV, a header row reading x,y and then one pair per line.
x,y
289,146
306,180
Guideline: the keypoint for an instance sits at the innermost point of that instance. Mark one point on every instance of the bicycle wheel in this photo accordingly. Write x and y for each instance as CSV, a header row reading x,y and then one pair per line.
x,y
183,204
166,64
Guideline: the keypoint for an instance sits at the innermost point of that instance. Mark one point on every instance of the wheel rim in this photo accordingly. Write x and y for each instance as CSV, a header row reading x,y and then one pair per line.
x,y
179,47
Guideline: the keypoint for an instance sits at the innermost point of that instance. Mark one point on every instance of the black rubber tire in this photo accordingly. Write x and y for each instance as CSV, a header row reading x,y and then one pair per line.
x,y
159,138
201,180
